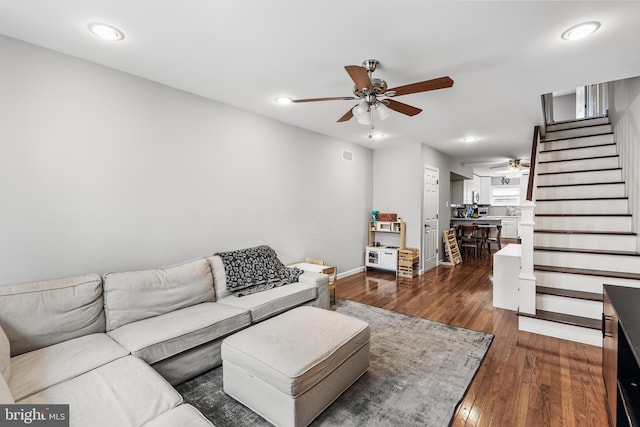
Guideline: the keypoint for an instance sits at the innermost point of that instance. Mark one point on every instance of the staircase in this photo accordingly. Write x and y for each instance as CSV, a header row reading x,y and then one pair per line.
x,y
583,230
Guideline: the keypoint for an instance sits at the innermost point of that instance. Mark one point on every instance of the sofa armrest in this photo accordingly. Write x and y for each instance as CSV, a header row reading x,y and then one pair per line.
x,y
5,355
321,281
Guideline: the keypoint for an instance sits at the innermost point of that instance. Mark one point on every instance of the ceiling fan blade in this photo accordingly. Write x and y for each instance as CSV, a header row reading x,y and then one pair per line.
x,y
401,107
337,98
499,167
347,116
425,86
359,76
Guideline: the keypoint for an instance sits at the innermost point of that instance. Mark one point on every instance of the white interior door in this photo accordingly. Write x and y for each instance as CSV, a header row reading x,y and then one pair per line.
x,y
430,236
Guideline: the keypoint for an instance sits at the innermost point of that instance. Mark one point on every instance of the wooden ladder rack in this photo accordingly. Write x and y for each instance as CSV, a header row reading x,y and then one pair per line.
x,y
451,244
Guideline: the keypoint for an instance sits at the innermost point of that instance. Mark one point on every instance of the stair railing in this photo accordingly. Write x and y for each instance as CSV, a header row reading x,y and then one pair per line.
x,y
532,162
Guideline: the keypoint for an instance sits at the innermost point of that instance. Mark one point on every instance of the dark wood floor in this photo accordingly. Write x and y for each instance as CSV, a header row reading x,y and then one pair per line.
x,y
525,379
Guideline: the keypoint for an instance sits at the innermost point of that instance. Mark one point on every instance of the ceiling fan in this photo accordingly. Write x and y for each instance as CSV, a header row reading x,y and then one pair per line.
x,y
376,97
513,168
513,164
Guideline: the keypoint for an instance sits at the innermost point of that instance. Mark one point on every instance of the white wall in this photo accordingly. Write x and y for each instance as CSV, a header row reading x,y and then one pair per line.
x,y
397,187
624,110
564,107
104,171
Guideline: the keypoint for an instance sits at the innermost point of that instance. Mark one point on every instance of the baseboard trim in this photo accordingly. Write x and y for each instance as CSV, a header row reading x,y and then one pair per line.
x,y
351,272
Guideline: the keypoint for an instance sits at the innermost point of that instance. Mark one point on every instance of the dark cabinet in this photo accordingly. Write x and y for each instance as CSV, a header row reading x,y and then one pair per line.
x,y
620,354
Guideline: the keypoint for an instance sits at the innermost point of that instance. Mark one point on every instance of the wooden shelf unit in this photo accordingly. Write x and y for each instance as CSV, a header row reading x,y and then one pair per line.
x,y
398,227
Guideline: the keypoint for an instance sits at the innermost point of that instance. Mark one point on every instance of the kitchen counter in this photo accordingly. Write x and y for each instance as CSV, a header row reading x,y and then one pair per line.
x,y
485,220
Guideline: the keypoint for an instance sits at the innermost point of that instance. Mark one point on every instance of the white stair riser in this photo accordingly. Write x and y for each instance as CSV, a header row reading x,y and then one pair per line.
x,y
606,262
578,124
578,153
597,223
580,177
585,141
601,206
573,306
579,165
610,242
560,330
579,191
580,282
584,131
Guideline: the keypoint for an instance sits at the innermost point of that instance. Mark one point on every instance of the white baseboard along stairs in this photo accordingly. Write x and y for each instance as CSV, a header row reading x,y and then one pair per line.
x,y
583,234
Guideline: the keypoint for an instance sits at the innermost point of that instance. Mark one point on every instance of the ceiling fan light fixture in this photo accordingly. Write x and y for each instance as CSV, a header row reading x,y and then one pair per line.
x,y
283,100
361,109
106,32
364,120
382,111
580,31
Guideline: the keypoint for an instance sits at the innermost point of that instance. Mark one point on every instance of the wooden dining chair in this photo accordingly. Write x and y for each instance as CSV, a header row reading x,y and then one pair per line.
x,y
469,239
494,238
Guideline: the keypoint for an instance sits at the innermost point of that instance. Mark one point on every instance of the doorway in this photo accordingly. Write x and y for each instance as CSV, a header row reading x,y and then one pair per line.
x,y
430,209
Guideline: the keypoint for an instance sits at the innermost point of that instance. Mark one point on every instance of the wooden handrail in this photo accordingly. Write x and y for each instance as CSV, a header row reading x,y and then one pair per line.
x,y
532,161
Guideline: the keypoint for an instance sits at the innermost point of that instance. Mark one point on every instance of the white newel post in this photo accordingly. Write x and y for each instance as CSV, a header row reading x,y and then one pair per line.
x,y
526,279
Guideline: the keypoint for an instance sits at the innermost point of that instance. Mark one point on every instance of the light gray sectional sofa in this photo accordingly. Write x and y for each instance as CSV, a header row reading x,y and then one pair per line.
x,y
111,346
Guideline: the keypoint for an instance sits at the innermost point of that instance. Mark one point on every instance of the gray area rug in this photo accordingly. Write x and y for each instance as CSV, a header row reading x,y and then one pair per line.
x,y
418,373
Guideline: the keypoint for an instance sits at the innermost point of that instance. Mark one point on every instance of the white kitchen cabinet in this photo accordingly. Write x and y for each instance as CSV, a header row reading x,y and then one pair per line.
x,y
485,190
510,227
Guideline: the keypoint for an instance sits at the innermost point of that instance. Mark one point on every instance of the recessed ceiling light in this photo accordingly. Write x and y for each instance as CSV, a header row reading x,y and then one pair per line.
x,y
106,32
581,31
284,100
470,138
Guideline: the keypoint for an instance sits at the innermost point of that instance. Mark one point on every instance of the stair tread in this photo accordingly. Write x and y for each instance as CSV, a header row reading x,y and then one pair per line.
x,y
584,214
568,319
564,122
580,127
587,272
563,199
568,293
580,171
577,185
606,233
575,148
577,159
574,137
586,251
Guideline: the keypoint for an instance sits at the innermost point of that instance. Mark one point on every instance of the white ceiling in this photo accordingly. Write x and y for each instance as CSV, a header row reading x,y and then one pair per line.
x,y
501,55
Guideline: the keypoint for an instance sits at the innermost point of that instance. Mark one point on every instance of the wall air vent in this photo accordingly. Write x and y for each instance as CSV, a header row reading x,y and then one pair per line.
x,y
347,156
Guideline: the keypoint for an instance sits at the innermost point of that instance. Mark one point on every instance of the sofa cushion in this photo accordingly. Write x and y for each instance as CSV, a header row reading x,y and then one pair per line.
x,y
35,371
269,303
125,393
160,337
130,296
5,355
40,314
5,394
219,277
184,416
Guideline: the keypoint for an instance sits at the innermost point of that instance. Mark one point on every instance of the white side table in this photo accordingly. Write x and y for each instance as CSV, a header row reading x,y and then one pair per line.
x,y
321,268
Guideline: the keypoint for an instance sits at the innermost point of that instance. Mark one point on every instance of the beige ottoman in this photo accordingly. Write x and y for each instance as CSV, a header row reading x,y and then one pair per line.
x,y
291,367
